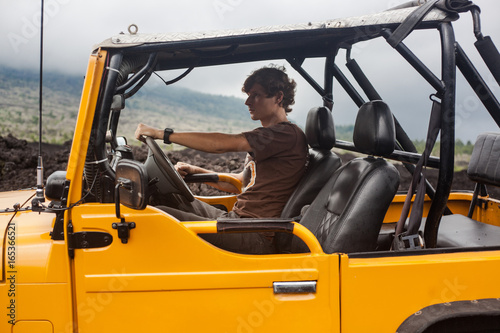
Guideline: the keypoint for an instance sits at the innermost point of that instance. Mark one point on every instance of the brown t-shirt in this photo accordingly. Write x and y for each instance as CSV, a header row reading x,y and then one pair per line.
x,y
272,170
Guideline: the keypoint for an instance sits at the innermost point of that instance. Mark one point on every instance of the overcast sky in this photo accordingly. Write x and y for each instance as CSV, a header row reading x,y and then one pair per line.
x,y
74,26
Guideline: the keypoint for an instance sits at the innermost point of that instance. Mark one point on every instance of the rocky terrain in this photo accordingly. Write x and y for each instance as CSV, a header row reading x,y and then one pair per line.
x,y
18,163
19,159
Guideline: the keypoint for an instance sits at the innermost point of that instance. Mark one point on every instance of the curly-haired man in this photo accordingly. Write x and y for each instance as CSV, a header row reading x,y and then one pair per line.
x,y
276,159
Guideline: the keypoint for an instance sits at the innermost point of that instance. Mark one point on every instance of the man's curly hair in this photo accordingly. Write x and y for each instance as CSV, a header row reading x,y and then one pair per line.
x,y
273,79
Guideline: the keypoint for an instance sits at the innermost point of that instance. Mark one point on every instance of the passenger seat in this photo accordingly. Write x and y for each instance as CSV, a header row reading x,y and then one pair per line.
x,y
346,216
320,134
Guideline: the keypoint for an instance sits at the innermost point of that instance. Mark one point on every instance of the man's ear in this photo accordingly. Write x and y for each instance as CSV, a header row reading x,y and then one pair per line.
x,y
279,97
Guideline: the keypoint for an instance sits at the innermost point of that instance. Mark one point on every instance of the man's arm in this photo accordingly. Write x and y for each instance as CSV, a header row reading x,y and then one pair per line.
x,y
185,169
207,142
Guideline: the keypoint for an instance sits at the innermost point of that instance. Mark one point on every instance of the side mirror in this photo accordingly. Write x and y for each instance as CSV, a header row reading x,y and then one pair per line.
x,y
130,191
131,185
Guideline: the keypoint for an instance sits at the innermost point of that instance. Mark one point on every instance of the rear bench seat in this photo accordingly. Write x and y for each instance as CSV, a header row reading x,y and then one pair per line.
x,y
459,230
484,169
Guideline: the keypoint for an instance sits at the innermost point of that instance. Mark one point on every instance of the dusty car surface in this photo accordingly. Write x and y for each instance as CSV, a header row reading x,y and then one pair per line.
x,y
98,255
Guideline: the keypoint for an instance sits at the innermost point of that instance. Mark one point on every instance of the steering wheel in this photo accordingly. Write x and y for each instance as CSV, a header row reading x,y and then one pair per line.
x,y
162,162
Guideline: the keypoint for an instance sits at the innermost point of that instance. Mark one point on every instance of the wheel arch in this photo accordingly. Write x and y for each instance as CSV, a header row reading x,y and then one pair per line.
x,y
479,315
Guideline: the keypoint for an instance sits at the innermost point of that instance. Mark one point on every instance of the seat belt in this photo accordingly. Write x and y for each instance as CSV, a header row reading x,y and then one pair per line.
x,y
409,24
412,239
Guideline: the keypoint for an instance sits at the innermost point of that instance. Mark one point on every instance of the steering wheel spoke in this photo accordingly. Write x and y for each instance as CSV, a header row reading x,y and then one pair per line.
x,y
159,165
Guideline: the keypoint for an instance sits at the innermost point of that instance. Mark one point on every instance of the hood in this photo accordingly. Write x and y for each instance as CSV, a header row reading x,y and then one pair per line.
x,y
31,230
7,202
10,198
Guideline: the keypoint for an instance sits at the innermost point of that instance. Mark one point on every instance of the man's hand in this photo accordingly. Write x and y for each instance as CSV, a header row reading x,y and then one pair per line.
x,y
145,130
185,169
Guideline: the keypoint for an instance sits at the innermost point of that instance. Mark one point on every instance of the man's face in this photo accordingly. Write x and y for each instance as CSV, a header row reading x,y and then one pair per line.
x,y
259,105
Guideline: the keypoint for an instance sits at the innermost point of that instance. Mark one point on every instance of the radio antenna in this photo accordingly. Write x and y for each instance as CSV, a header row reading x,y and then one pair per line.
x,y
40,197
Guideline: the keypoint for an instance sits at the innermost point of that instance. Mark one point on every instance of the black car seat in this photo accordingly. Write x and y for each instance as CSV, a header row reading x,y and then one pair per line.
x,y
346,216
320,133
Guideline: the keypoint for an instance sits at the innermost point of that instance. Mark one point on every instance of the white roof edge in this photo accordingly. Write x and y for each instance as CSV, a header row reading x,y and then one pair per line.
x,y
387,17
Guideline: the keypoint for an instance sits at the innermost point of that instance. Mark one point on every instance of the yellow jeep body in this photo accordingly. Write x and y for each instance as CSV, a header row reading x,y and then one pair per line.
x,y
167,279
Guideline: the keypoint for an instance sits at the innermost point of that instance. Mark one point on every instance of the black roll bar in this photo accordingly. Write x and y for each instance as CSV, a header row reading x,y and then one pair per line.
x,y
447,149
297,65
477,84
406,157
419,66
139,75
106,177
404,143
347,86
329,74
485,46
362,80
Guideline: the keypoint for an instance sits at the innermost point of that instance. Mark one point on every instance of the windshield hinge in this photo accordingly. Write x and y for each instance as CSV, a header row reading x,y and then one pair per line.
x,y
86,240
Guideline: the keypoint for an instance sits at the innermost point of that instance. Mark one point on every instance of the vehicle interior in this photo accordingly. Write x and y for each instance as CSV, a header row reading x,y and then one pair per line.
x,y
349,206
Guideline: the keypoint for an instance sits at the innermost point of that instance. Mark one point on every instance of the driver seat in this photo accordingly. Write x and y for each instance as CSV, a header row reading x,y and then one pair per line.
x,y
347,214
320,134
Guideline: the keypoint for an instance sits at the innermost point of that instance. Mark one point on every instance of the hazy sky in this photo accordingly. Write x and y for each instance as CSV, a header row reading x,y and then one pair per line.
x,y
74,26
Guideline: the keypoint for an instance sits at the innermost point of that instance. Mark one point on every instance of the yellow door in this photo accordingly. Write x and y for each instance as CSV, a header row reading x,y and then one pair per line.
x,y
167,279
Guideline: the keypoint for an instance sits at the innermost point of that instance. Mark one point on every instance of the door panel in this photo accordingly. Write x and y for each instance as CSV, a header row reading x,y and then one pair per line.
x,y
387,290
167,277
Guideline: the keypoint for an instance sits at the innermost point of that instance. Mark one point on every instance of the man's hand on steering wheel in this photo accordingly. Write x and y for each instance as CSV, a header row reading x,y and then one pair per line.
x,y
144,130
185,169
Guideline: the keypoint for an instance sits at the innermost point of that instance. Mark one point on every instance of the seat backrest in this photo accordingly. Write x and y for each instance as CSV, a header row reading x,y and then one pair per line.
x,y
320,133
485,159
348,213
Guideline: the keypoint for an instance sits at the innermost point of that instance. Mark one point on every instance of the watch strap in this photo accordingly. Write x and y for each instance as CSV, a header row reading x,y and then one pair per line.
x,y
166,135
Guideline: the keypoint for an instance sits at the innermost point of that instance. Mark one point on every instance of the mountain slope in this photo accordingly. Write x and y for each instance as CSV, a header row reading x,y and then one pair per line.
x,y
159,105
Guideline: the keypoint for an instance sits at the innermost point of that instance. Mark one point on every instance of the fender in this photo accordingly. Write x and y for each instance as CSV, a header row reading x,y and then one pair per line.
x,y
480,314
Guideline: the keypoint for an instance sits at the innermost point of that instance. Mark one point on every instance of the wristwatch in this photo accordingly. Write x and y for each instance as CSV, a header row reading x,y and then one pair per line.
x,y
166,135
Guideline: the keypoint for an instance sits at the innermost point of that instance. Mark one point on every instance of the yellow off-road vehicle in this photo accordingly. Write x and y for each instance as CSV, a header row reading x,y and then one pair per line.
x,y
97,255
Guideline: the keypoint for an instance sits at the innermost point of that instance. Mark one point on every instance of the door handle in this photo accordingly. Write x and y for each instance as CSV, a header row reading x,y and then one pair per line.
x,y
294,287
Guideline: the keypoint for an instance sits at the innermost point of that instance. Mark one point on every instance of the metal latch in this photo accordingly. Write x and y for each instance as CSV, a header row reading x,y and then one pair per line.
x,y
124,230
408,242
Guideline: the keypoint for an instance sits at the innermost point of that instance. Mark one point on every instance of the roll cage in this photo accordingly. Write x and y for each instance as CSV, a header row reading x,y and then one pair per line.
x,y
133,58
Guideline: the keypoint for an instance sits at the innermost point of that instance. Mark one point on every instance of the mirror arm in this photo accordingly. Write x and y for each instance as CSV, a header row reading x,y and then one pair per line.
x,y
123,227
125,183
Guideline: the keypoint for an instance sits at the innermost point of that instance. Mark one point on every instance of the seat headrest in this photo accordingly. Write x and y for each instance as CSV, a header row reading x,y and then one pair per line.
x,y
320,131
374,130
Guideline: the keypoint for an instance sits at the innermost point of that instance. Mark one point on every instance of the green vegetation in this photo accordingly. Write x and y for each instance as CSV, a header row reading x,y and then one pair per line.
x,y
460,147
344,132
